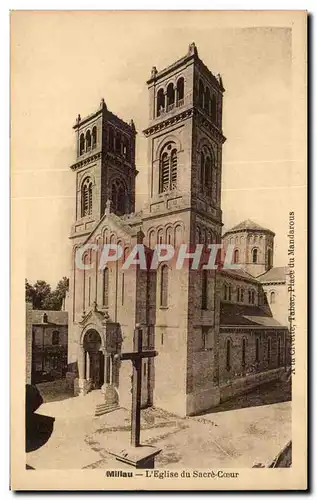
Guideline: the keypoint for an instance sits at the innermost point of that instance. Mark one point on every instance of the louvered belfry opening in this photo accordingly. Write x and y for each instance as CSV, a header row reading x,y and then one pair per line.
x,y
86,197
168,168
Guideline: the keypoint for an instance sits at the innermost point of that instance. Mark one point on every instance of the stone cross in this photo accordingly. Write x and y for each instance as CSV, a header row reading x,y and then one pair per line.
x,y
136,357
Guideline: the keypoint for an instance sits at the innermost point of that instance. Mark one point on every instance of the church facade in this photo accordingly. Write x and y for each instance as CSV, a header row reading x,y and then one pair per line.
x,y
208,347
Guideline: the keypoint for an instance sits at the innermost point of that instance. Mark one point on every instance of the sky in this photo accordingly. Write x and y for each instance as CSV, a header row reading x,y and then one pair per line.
x,y
63,63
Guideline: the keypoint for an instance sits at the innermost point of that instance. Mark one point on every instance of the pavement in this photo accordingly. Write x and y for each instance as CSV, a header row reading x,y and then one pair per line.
x,y
239,433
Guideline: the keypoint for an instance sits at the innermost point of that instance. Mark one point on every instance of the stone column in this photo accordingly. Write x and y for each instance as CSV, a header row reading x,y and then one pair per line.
x,y
82,385
108,390
87,365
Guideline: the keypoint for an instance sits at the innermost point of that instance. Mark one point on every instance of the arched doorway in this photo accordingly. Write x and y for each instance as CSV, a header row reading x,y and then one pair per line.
x,y
94,359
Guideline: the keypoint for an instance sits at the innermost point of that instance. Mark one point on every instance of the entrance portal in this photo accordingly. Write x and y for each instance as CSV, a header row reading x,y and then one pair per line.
x,y
94,359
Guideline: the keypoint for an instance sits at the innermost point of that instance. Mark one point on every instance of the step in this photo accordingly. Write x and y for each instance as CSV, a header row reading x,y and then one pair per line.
x,y
102,409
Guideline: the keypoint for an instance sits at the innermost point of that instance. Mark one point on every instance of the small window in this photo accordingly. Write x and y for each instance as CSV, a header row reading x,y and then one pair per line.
x,y
180,91
272,298
94,137
201,94
170,94
229,293
252,296
82,144
204,290
241,295
164,287
144,369
243,352
238,294
225,292
257,350
236,256
228,354
204,335
88,140
55,337
255,256
279,352
269,350
105,287
269,258
160,102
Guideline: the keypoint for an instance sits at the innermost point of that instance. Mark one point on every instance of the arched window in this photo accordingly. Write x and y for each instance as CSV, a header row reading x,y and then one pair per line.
x,y
126,148
202,170
164,287
207,101
201,94
168,168
118,143
180,91
88,140
55,337
118,197
229,293
241,295
206,172
94,137
279,352
249,294
204,290
228,354
160,102
269,258
269,350
257,350
236,256
170,96
111,139
214,108
152,239
238,294
252,296
105,295
160,236
255,255
225,292
244,343
81,144
208,176
86,197
121,201
272,298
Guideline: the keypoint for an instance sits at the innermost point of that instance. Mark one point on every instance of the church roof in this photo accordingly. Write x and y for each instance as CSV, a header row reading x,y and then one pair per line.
x,y
274,274
52,317
245,315
239,274
248,225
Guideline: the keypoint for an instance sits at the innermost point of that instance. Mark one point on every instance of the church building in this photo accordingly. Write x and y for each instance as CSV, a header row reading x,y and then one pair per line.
x,y
213,330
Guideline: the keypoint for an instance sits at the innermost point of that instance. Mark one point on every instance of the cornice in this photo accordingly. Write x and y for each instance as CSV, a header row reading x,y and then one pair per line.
x,y
172,120
208,124
86,161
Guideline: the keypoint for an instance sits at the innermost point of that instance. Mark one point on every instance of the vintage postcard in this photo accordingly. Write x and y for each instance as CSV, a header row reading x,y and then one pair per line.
x,y
159,198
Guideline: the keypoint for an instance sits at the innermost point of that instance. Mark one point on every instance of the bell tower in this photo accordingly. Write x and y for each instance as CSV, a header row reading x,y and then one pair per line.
x,y
104,167
185,139
184,207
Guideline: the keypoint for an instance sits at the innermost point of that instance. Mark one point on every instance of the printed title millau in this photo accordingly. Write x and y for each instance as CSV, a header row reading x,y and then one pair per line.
x,y
166,474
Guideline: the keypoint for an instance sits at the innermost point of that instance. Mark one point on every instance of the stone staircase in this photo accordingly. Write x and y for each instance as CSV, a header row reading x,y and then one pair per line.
x,y
103,408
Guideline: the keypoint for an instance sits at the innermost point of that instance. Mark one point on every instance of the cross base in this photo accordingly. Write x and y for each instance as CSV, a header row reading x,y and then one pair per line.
x,y
139,457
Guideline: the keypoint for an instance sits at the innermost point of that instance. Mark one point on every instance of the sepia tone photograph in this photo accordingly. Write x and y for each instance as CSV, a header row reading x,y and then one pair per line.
x,y
158,164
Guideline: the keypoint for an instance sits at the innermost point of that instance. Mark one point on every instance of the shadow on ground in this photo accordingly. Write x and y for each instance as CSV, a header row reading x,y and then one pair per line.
x,y
266,394
55,390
